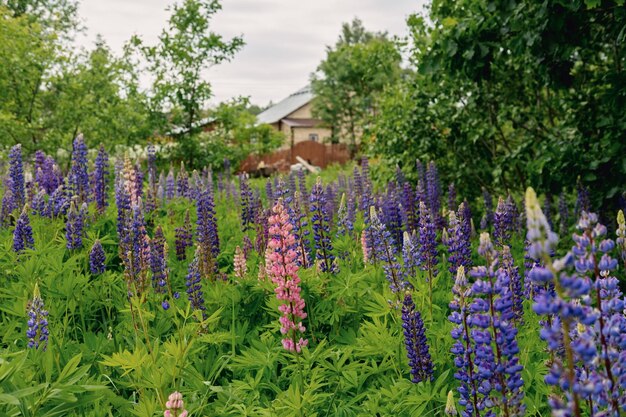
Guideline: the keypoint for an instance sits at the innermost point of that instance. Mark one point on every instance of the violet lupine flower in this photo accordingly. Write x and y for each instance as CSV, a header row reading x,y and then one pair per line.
x,y
194,287
582,199
207,236
23,233
465,217
563,213
39,203
50,176
239,263
158,262
488,216
344,223
182,182
282,269
175,406
78,176
59,202
304,193
97,258
321,229
421,171
502,223
358,184
474,398
365,249
621,236
391,215
451,197
409,207
37,332
75,224
292,184
16,174
459,247
301,232
495,339
515,283
134,248
428,247
184,238
269,192
386,252
100,175
415,341
410,253
433,191
247,203
564,305
38,162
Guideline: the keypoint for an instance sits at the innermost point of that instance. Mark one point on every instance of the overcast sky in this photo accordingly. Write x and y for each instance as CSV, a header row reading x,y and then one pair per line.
x,y
285,39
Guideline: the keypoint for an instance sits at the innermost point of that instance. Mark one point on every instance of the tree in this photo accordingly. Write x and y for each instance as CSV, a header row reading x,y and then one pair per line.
x,y
347,83
186,49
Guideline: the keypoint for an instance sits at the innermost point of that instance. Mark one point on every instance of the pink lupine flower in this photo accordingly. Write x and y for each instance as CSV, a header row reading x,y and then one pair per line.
x,y
175,405
241,268
366,251
282,268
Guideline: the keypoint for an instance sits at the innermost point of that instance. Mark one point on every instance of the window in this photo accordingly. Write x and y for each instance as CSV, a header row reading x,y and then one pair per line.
x,y
314,137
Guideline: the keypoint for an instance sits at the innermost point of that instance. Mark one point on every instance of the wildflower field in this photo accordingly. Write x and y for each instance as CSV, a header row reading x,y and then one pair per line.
x,y
132,291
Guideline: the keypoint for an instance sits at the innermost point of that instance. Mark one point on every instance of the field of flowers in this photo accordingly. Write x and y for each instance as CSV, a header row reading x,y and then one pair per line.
x,y
129,291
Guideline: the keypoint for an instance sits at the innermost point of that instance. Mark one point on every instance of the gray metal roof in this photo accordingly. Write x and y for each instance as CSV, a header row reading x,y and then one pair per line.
x,y
286,106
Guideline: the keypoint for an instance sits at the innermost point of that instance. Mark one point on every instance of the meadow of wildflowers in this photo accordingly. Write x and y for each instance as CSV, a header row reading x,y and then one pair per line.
x,y
129,290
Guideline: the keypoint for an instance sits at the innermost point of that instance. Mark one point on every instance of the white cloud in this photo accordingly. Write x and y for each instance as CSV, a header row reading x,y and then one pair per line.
x,y
285,39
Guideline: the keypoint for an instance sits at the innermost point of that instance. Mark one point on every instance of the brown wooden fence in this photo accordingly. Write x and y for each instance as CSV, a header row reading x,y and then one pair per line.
x,y
313,152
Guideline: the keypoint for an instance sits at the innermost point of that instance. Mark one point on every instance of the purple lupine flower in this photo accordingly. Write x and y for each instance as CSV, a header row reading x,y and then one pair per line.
x,y
207,235
139,177
39,204
459,247
386,252
563,213
182,182
292,184
502,222
170,185
451,197
409,207
16,175
331,208
495,338
122,201
391,215
433,191
50,176
194,286
474,398
262,235
421,171
300,232
465,217
59,202
358,184
23,233
269,192
97,258
184,238
247,203
75,224
320,221
582,199
417,350
400,177
78,176
304,193
135,252
345,226
158,262
515,284
37,332
428,247
514,214
100,175
621,236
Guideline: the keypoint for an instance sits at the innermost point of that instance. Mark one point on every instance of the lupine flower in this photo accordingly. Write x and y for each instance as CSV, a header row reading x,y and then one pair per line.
x,y
208,239
410,253
321,229
37,332
282,269
158,262
75,224
344,224
386,252
175,406
184,238
450,409
262,235
240,265
428,247
16,174
135,253
582,199
97,258
151,151
451,197
122,201
39,203
59,202
301,232
101,172
170,185
502,222
50,178
415,341
247,203
23,233
8,205
194,287
38,164
459,248
465,217
391,215
182,182
408,207
304,194
515,283
433,191
78,176
421,171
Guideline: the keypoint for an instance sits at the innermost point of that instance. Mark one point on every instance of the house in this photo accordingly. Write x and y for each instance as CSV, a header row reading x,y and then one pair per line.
x,y
205,125
294,118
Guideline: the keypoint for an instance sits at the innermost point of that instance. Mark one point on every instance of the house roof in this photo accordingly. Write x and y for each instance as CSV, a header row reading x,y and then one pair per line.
x,y
177,130
301,122
286,106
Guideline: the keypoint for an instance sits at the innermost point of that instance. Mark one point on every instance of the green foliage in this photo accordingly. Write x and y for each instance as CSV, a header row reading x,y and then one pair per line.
x,y
502,94
360,66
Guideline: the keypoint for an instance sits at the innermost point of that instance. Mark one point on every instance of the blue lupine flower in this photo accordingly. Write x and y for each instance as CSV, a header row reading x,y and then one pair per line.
x,y
97,258
459,248
23,233
78,176
320,221
417,349
75,224
194,287
37,332
100,175
386,252
207,235
16,175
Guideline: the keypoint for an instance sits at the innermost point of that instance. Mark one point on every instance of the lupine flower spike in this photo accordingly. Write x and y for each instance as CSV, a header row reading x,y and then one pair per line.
x,y
175,406
621,236
97,258
241,268
37,332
